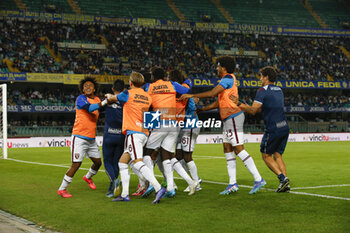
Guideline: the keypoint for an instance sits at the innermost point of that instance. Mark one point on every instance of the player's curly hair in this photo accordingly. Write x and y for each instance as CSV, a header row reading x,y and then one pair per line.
x,y
88,79
227,62
270,72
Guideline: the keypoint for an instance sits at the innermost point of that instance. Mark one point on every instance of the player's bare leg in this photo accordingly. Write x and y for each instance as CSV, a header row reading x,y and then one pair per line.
x,y
96,163
73,169
271,163
275,167
283,186
179,154
278,158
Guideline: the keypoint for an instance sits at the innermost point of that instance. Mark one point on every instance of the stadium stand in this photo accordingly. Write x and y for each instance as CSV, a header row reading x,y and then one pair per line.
x,y
272,12
54,6
332,12
8,5
32,47
263,12
205,11
142,9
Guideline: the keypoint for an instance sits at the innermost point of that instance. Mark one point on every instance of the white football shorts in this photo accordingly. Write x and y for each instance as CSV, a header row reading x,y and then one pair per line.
x,y
134,144
83,147
233,130
163,137
187,139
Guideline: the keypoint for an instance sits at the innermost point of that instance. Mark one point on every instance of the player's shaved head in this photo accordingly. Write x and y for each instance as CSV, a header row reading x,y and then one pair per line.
x,y
270,72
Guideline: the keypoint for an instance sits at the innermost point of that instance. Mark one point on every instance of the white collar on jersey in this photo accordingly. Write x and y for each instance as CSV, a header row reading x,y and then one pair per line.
x,y
265,87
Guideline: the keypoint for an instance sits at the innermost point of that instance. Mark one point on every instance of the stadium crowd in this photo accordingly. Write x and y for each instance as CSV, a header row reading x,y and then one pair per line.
x,y
67,97
46,97
138,48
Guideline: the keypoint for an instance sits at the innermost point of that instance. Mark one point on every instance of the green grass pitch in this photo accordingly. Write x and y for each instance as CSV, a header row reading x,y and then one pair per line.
x,y
29,190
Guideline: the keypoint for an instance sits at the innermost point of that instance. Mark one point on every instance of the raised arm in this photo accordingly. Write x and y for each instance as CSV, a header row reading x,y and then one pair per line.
x,y
83,103
208,94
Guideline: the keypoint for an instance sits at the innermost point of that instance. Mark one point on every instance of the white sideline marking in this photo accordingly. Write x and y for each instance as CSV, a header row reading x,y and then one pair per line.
x,y
210,157
323,186
215,182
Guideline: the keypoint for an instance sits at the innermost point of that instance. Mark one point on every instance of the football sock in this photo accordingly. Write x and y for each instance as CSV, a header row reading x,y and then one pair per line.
x,y
65,182
185,166
249,163
168,171
90,173
281,177
160,166
146,172
231,166
142,179
193,170
149,162
181,171
125,177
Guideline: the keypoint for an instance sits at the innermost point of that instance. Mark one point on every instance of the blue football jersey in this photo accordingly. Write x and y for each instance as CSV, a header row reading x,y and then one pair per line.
x,y
272,99
114,118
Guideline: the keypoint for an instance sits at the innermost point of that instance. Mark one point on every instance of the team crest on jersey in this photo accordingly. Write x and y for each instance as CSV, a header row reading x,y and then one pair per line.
x,y
76,155
130,148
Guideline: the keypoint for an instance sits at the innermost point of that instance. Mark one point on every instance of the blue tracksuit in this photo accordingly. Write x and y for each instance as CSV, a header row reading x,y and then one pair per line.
x,y
113,139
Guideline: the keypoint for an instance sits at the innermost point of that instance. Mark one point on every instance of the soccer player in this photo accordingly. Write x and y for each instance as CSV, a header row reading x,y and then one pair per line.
x,y
270,101
113,139
163,93
233,120
186,111
136,101
83,135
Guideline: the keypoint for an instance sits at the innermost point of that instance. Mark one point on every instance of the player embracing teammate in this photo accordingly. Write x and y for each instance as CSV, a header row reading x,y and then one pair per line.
x,y
269,100
164,138
161,95
136,102
233,120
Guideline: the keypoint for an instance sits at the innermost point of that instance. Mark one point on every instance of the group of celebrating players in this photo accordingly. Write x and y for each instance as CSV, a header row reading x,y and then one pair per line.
x,y
127,142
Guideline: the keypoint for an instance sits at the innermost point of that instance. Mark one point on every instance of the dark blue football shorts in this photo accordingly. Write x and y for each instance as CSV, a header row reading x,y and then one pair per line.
x,y
272,143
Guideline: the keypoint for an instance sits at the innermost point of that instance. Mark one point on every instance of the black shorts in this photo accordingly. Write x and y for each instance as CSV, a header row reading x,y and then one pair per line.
x,y
273,143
